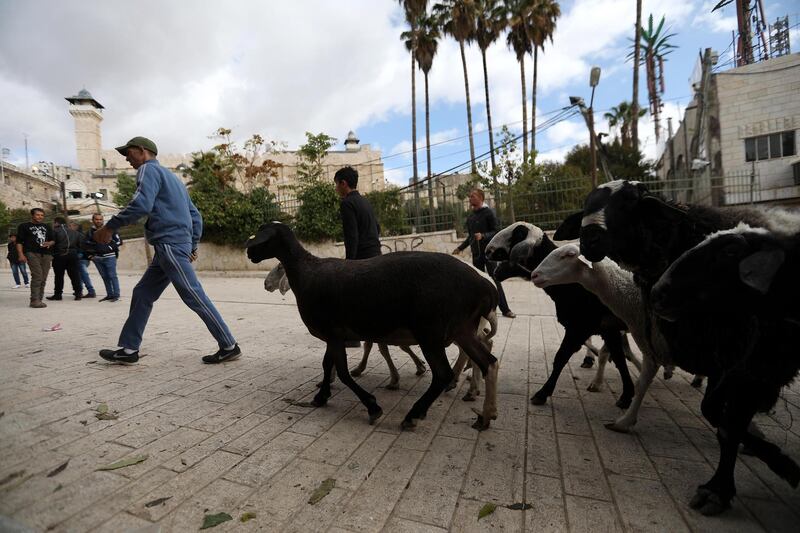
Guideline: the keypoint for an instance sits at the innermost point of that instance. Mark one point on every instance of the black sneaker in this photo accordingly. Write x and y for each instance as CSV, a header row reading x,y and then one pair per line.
x,y
90,295
105,299
78,297
54,297
223,355
119,356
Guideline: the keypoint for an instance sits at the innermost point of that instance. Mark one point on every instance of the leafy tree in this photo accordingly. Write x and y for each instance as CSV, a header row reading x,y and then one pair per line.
x,y
518,40
623,162
5,218
126,187
388,207
249,168
230,215
542,24
622,115
317,218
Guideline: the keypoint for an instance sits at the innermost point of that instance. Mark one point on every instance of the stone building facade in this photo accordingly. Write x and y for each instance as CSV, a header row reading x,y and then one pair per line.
x,y
98,168
749,146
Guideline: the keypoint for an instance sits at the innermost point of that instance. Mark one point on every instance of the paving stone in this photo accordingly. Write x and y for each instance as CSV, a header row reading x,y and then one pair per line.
x,y
360,464
371,505
645,505
265,462
496,472
434,488
581,467
545,496
502,519
183,486
584,514
220,496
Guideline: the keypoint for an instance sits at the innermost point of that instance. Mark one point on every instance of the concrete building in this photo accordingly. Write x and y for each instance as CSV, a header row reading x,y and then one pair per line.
x,y
738,140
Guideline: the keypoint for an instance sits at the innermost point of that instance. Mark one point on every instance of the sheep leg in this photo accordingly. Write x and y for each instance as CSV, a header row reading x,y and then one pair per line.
x,y
457,369
589,355
419,363
613,340
483,361
602,358
324,392
474,384
357,371
369,401
668,371
629,355
570,344
715,496
624,423
442,374
395,380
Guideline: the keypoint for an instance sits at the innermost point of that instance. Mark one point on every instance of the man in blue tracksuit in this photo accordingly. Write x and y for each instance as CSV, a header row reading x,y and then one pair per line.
x,y
173,227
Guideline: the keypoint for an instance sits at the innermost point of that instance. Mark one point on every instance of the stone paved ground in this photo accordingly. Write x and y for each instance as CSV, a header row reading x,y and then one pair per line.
x,y
230,439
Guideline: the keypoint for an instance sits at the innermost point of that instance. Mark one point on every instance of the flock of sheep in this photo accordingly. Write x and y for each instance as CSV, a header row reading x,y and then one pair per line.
x,y
707,289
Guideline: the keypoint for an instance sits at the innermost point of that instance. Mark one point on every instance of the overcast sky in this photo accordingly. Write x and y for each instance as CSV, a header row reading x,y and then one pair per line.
x,y
177,70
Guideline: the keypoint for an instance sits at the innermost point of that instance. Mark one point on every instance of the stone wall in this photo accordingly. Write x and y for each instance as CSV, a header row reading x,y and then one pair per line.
x,y
214,257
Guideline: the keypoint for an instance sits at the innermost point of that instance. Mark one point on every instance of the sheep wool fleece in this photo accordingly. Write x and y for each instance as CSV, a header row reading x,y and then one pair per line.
x,y
174,228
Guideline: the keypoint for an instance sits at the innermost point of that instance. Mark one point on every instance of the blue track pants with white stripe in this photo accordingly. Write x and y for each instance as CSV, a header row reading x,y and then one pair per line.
x,y
171,265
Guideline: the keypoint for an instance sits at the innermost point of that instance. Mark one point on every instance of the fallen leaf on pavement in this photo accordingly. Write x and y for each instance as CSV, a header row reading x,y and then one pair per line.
x,y
519,506
60,468
247,517
324,488
213,520
157,501
125,462
486,510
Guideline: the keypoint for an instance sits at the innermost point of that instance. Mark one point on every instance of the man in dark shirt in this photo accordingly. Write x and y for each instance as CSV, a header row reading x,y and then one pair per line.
x,y
482,224
361,230
66,259
35,242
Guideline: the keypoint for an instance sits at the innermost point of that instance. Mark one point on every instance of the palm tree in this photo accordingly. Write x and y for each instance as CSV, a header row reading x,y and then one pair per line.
x,y
656,45
518,40
457,18
622,115
413,9
428,34
636,58
490,22
543,15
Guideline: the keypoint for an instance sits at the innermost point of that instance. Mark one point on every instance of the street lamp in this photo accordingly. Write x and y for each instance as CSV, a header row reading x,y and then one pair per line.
x,y
96,196
588,116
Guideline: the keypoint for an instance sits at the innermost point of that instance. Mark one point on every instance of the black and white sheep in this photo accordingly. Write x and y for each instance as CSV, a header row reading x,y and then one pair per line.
x,y
277,280
747,279
645,233
617,290
428,299
519,248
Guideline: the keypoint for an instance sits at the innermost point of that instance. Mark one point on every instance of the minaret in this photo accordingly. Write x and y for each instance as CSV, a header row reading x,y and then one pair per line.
x,y
351,143
87,114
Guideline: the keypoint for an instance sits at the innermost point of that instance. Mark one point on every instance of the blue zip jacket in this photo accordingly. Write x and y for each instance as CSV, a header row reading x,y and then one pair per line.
x,y
163,198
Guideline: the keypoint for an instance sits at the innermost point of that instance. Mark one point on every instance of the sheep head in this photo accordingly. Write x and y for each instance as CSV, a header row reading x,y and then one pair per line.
x,y
515,248
277,280
562,265
722,273
267,242
622,220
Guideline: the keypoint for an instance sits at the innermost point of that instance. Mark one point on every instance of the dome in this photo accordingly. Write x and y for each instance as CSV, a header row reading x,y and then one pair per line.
x,y
83,93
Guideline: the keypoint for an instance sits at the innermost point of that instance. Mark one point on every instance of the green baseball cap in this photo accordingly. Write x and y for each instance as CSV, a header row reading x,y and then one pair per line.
x,y
139,142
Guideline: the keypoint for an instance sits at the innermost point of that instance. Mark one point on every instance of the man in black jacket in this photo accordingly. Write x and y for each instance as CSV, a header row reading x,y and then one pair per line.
x,y
482,224
35,242
361,230
66,259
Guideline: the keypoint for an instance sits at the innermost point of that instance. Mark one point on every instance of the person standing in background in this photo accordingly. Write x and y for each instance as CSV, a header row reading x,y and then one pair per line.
x,y
83,263
17,267
104,257
35,241
65,259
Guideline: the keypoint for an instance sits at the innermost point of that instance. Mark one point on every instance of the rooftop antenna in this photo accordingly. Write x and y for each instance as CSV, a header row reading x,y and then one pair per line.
x,y
27,163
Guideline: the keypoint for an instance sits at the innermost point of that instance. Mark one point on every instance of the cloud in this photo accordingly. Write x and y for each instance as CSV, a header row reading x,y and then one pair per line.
x,y
716,21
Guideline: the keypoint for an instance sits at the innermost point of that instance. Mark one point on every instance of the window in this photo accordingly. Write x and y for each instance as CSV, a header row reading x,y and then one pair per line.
x,y
771,146
75,194
788,143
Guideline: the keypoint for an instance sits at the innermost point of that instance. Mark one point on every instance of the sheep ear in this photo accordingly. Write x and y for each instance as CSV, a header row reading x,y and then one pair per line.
x,y
521,252
657,206
283,286
758,270
519,234
261,237
570,229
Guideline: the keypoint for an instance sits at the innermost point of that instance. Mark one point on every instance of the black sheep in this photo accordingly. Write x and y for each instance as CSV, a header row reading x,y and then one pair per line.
x,y
520,248
407,298
645,233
